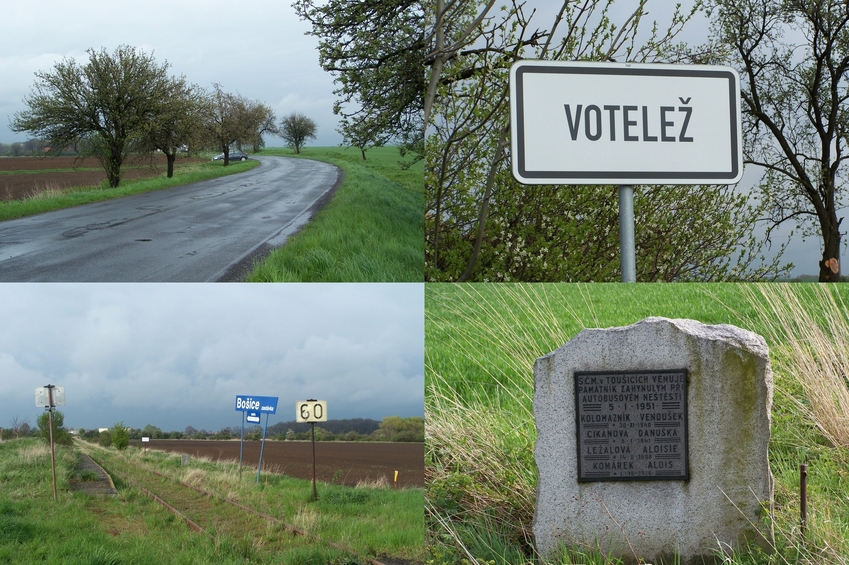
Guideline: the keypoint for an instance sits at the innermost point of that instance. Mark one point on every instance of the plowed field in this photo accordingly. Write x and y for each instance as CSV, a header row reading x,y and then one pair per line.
x,y
337,462
24,177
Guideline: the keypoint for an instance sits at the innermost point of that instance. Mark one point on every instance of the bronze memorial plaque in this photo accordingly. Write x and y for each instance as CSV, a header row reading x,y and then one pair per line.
x,y
632,425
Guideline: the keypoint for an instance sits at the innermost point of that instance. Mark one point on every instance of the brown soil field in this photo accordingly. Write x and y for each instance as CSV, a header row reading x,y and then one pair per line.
x,y
89,173
337,462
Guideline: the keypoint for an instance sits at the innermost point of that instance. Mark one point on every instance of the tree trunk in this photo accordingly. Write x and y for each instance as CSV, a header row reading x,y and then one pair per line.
x,y
171,157
113,172
830,264
490,182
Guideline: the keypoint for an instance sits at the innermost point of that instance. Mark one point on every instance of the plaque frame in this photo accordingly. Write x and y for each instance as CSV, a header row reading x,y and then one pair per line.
x,y
684,476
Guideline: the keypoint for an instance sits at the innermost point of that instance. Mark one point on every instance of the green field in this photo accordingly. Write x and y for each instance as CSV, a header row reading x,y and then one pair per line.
x,y
132,529
482,340
373,230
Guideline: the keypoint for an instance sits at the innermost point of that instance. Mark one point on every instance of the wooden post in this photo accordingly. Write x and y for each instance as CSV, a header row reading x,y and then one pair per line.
x,y
314,492
803,495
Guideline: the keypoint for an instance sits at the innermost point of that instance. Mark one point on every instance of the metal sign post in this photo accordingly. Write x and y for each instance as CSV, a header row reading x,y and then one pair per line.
x,y
311,411
312,432
254,406
52,450
262,447
241,445
44,396
582,123
627,249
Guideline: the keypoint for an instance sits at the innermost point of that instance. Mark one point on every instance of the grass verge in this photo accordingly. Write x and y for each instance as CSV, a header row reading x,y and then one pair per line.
x,y
372,230
482,340
76,196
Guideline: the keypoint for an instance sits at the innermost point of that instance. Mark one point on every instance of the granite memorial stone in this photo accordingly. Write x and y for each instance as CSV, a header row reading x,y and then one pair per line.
x,y
652,441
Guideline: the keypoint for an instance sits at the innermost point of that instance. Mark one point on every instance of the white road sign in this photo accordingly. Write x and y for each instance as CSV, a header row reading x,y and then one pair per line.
x,y
311,411
624,123
42,397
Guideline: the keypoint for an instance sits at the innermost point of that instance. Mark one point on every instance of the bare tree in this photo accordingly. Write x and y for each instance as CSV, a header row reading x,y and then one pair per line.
x,y
793,57
18,426
295,129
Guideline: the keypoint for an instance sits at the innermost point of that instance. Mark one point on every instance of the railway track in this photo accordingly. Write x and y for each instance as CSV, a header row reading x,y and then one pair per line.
x,y
209,514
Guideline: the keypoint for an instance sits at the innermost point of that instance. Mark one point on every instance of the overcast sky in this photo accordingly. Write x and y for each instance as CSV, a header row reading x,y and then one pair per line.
x,y
255,48
175,355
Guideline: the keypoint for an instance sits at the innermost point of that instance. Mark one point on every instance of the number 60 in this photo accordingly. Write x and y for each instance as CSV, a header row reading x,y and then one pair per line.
x,y
311,411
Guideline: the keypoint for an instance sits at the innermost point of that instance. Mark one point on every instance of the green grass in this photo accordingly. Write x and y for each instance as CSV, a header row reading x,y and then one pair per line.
x,y
132,529
77,196
372,521
373,230
482,340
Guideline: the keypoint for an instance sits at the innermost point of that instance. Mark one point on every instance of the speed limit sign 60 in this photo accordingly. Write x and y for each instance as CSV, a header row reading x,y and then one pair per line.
x,y
311,411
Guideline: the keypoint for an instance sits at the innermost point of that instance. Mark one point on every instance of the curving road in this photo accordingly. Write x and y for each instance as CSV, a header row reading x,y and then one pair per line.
x,y
206,231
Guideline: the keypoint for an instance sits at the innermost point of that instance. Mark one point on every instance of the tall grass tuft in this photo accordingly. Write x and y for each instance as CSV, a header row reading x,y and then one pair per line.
x,y
479,410
811,330
33,453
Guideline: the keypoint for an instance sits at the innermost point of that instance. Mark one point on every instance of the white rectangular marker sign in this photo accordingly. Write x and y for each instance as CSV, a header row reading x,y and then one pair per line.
x,y
624,123
311,411
42,397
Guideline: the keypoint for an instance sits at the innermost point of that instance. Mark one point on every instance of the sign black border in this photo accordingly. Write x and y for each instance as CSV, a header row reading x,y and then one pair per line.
x,y
685,477
566,177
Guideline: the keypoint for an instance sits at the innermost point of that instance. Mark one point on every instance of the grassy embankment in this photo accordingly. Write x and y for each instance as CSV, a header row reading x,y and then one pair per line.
x,y
482,341
373,230
132,529
50,200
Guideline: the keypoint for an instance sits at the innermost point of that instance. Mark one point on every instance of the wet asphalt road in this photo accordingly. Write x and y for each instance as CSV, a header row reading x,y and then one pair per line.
x,y
206,231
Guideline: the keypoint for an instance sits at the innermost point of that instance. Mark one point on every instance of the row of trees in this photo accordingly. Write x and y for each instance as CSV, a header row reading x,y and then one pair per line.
x,y
21,148
393,428
125,102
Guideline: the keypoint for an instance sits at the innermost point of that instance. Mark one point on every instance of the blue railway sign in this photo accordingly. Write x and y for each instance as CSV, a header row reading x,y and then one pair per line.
x,y
263,404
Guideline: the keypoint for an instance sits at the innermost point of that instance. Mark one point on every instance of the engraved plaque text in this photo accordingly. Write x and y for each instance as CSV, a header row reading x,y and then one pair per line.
x,y
632,425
